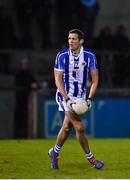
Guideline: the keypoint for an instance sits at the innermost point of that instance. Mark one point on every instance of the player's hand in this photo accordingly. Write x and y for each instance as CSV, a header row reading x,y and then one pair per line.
x,y
69,103
89,103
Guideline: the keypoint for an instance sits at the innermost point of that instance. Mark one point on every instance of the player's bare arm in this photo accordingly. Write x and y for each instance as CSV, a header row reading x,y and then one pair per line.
x,y
95,79
58,81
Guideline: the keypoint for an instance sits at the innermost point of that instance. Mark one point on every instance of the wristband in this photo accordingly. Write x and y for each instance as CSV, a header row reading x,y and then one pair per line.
x,y
67,99
90,99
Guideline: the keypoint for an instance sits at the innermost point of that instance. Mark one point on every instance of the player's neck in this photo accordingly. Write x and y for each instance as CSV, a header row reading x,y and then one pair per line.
x,y
76,51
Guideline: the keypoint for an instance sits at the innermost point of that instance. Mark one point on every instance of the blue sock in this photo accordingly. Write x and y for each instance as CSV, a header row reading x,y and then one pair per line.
x,y
57,148
89,155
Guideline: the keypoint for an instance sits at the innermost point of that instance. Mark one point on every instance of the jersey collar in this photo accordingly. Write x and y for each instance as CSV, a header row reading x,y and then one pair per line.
x,y
81,51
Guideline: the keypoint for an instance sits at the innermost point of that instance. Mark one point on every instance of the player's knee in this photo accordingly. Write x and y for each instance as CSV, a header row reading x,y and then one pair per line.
x,y
80,128
67,129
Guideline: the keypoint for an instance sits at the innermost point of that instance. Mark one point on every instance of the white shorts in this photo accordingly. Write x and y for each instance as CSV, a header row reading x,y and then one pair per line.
x,y
62,103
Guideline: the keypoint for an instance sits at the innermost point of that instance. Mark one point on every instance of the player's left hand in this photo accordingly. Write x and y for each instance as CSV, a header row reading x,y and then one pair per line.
x,y
89,103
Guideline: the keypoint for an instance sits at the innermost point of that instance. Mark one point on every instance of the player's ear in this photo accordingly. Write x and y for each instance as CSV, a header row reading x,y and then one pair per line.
x,y
81,41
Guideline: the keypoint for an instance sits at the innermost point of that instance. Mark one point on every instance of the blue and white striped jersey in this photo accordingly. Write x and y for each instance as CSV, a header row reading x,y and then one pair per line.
x,y
75,71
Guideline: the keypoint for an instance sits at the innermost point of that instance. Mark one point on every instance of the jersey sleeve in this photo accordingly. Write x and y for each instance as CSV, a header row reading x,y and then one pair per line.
x,y
93,62
59,63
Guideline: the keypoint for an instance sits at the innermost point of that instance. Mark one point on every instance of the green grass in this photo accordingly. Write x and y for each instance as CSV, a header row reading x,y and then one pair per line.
x,y
28,159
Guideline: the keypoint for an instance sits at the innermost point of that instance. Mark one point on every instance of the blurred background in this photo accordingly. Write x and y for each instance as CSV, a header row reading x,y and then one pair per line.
x,y
31,33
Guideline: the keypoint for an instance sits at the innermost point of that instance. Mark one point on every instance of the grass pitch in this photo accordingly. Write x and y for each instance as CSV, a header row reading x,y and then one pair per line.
x,y
28,159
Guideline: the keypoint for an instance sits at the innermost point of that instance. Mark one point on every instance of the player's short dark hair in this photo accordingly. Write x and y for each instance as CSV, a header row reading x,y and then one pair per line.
x,y
77,31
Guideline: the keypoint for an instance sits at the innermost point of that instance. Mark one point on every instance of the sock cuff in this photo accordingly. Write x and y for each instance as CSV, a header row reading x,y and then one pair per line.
x,y
89,155
57,148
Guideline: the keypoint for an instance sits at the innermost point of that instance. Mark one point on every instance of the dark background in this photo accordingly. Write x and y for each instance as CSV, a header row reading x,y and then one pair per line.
x,y
32,31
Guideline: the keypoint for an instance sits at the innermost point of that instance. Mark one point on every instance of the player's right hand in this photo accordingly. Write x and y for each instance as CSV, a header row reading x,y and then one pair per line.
x,y
89,103
69,103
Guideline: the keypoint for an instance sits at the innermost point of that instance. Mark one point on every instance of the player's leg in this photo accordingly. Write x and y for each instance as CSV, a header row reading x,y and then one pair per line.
x,y
79,127
62,136
64,131
80,135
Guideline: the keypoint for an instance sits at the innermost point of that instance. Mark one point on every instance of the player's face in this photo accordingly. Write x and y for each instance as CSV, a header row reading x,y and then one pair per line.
x,y
74,42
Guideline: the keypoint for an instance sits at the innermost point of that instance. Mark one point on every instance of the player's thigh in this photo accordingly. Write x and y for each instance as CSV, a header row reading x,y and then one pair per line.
x,y
75,121
67,125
